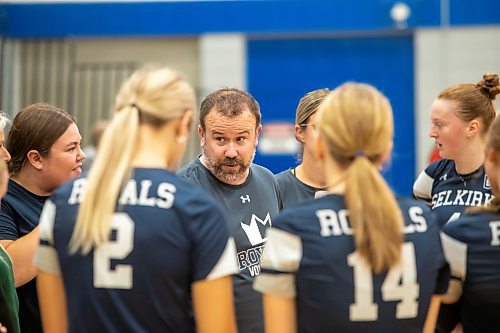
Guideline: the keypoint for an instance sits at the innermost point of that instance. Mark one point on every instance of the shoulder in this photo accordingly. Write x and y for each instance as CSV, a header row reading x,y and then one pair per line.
x,y
437,168
285,174
18,198
405,203
285,178
291,218
188,169
262,175
472,227
260,171
15,191
422,188
418,216
191,171
192,200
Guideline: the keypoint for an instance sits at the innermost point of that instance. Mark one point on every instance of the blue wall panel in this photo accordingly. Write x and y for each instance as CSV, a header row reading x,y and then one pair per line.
x,y
467,12
25,20
280,72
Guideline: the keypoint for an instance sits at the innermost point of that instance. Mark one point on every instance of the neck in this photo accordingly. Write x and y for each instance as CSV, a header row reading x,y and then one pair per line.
x,y
308,173
471,159
30,181
335,177
147,154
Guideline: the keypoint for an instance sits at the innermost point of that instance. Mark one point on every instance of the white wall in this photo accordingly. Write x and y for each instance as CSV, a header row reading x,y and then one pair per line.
x,y
444,57
223,62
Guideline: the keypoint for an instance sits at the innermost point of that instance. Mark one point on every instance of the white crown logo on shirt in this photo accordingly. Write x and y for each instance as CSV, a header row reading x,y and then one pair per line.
x,y
245,199
443,177
252,230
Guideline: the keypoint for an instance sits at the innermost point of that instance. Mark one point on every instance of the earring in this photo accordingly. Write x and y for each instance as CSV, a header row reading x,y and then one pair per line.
x,y
180,139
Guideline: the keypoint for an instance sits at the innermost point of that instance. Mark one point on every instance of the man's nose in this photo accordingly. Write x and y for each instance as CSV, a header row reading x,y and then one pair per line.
x,y
231,150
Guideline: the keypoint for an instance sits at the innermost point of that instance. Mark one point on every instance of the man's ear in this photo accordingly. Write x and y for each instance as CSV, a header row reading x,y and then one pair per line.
x,y
35,159
202,136
257,134
473,128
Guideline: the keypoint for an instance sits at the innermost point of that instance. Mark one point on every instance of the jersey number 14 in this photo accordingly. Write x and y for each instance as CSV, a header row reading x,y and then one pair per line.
x,y
400,285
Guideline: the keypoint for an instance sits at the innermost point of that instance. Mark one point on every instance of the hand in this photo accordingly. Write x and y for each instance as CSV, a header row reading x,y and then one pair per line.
x,y
458,329
3,329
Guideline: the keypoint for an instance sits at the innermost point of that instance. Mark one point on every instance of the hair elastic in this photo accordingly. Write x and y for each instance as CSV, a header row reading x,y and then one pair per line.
x,y
360,153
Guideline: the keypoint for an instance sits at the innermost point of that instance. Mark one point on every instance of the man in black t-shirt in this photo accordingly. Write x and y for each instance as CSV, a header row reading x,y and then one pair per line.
x,y
230,124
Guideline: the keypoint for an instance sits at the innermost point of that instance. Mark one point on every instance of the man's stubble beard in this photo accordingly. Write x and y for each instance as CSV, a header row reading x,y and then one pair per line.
x,y
215,167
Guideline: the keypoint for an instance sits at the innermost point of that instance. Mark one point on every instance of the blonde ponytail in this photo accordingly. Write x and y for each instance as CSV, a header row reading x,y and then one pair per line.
x,y
374,215
150,96
355,121
109,172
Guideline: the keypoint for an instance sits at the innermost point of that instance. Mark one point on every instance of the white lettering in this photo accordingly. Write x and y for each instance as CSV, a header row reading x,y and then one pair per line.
x,y
488,198
447,201
440,198
329,222
129,194
166,192
144,200
458,200
344,222
77,191
495,233
254,270
250,258
419,223
468,198
478,198
333,223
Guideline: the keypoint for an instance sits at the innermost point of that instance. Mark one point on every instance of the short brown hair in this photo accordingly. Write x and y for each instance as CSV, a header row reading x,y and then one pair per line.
x,y
36,127
229,102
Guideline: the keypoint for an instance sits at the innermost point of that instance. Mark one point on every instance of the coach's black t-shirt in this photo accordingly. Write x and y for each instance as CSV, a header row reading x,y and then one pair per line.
x,y
249,209
19,215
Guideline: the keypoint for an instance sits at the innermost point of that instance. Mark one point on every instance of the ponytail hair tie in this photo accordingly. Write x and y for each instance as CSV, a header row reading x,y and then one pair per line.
x,y
134,106
360,153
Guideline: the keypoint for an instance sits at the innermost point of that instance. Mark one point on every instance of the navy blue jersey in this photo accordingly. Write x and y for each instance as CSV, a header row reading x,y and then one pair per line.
x,y
293,190
449,192
472,247
311,255
249,209
166,234
19,215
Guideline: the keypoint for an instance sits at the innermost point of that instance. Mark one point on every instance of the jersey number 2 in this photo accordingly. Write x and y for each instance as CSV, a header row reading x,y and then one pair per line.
x,y
400,285
119,277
